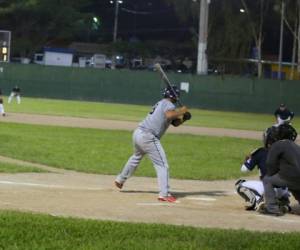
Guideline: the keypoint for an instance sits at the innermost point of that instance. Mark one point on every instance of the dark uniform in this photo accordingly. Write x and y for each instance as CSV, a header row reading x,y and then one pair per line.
x,y
283,166
282,114
252,191
16,92
258,158
283,170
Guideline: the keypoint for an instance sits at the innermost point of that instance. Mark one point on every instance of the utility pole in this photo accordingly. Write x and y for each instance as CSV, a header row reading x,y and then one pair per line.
x,y
279,75
116,21
202,40
298,67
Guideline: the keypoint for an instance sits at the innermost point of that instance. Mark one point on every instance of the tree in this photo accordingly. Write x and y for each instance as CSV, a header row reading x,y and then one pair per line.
x,y
35,23
256,22
291,18
226,39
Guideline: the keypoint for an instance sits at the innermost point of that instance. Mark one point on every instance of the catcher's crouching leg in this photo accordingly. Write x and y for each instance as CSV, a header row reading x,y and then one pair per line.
x,y
249,195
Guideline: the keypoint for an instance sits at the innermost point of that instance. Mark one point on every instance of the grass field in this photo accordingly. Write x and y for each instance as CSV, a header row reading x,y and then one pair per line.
x,y
204,118
37,232
106,151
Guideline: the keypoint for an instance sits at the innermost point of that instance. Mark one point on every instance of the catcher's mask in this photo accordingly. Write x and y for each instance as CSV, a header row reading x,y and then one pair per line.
x,y
276,133
171,92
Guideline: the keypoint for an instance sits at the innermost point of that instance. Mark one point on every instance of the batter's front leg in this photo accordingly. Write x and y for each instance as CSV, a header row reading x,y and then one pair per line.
x,y
159,160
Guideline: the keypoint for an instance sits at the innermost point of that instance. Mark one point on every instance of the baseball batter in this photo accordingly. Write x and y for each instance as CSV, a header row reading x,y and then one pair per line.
x,y
146,140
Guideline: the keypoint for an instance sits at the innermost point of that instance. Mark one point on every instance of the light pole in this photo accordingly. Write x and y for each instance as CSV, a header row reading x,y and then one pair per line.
x,y
279,75
202,40
117,2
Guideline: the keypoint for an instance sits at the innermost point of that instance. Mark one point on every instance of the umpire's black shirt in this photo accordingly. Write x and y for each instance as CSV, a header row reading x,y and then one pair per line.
x,y
284,158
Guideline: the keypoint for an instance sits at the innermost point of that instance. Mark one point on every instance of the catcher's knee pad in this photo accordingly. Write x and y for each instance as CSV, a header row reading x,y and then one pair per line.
x,y
247,194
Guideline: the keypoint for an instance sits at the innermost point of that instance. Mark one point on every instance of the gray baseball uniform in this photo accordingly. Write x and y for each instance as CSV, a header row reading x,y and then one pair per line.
x,y
146,140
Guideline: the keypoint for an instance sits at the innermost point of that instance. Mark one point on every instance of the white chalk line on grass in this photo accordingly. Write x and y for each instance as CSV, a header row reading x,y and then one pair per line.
x,y
29,184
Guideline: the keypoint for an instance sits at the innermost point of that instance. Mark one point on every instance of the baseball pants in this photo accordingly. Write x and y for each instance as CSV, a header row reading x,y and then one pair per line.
x,y
270,195
146,143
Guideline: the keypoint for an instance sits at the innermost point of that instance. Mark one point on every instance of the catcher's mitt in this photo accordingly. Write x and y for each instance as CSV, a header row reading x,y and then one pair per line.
x,y
186,116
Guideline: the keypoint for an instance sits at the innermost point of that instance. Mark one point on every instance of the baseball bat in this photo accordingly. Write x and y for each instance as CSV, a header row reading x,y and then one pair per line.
x,y
164,77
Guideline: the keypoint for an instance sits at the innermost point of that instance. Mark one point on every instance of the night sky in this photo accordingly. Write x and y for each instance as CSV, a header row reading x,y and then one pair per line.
x,y
156,20
150,20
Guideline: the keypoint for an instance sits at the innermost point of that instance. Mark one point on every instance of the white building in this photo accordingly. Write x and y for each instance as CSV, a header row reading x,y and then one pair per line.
x,y
55,57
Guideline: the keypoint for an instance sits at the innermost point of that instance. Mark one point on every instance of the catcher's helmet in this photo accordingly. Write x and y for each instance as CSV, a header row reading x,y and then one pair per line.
x,y
276,133
172,92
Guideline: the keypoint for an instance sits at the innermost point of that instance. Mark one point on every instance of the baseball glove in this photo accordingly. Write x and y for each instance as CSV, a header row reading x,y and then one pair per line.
x,y
186,116
176,122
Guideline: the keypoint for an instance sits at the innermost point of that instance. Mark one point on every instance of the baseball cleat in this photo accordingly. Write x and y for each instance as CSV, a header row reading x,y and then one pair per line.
x,y
275,212
168,198
118,184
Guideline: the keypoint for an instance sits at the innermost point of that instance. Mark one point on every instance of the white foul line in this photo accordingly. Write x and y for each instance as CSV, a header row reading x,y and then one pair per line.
x,y
152,204
44,185
201,198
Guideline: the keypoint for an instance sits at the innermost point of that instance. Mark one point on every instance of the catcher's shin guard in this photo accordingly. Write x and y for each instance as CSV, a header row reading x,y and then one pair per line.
x,y
249,195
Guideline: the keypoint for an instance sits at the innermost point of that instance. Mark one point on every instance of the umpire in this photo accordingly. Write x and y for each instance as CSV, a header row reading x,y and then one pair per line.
x,y
283,166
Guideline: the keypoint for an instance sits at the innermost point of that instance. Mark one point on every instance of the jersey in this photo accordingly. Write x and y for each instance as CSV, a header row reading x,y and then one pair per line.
x,y
16,90
156,121
284,114
258,158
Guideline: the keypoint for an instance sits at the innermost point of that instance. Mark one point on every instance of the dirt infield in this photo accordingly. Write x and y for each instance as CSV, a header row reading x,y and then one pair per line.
x,y
68,193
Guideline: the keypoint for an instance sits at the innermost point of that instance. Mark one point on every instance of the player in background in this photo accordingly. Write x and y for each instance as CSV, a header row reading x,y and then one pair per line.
x,y
2,112
16,92
283,115
146,140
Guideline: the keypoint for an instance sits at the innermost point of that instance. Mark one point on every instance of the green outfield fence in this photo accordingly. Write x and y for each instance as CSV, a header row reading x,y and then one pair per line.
x,y
219,92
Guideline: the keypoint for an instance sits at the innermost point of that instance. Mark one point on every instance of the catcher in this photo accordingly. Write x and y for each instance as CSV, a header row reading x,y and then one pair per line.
x,y
252,191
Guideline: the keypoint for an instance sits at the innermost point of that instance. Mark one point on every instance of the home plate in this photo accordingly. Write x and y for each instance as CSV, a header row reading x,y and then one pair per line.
x,y
201,198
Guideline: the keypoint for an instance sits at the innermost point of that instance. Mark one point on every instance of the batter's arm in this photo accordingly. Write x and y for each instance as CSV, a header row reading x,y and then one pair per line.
x,y
175,114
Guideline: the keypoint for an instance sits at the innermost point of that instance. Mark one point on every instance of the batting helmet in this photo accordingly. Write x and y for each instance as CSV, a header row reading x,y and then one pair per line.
x,y
276,133
172,92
